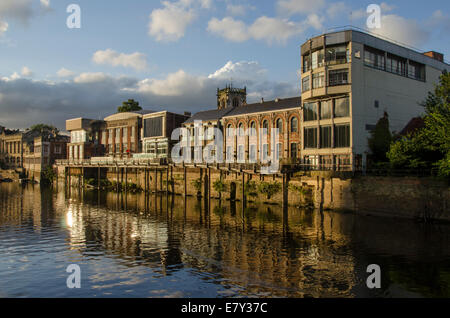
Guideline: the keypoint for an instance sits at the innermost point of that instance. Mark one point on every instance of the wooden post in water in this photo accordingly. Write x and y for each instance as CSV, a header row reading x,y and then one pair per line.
x,y
185,182
243,194
156,180
209,189
126,179
167,181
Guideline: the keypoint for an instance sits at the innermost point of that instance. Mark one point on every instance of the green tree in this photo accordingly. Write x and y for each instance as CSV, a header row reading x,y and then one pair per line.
x,y
430,146
380,139
44,129
129,106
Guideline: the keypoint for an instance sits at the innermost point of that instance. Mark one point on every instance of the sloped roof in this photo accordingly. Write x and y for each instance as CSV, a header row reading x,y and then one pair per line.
x,y
414,124
214,114
273,105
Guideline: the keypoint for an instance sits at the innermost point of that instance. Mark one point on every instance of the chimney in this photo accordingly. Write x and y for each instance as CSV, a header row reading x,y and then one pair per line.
x,y
262,100
435,55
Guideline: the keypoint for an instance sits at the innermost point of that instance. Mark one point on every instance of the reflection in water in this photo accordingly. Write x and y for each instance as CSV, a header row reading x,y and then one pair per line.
x,y
170,246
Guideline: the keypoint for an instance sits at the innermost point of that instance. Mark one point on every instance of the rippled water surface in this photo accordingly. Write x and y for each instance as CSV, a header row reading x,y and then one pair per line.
x,y
157,246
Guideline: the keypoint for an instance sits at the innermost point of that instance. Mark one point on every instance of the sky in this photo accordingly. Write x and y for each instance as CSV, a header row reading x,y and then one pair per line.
x,y
173,55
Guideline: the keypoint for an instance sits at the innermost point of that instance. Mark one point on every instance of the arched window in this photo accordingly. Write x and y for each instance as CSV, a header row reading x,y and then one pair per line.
x,y
235,102
279,125
252,128
294,124
241,129
229,130
222,104
265,126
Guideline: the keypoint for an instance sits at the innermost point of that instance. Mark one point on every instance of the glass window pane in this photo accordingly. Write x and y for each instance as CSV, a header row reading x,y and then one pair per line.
x,y
342,107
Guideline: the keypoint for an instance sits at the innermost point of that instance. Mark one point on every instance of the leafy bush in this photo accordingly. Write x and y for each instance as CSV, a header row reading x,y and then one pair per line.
x,y
269,189
219,186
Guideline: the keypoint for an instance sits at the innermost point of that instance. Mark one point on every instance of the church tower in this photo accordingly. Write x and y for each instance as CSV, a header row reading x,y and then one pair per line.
x,y
231,97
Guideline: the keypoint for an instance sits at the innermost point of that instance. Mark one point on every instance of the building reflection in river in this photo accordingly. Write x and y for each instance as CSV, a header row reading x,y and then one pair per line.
x,y
261,252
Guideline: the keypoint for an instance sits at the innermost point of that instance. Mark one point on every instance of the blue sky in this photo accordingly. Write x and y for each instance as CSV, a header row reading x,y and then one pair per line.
x,y
173,54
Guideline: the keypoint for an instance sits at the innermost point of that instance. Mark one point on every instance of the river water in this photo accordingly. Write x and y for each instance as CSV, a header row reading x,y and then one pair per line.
x,y
133,245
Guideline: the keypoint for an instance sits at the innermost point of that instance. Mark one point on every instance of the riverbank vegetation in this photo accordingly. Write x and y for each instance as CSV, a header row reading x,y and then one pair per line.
x,y
423,149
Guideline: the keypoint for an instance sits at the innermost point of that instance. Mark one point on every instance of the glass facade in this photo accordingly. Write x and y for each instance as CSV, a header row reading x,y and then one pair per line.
x,y
310,112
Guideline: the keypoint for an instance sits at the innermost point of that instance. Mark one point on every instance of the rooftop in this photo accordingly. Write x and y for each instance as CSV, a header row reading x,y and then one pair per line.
x,y
263,107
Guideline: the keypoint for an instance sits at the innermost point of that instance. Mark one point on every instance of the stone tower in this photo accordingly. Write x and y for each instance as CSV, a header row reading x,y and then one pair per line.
x,y
231,97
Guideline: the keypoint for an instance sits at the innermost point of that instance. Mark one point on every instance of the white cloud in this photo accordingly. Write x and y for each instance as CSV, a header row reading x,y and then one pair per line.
x,y
291,7
403,30
86,78
315,21
271,30
96,95
26,72
134,60
274,30
176,84
170,23
241,71
229,28
3,27
63,72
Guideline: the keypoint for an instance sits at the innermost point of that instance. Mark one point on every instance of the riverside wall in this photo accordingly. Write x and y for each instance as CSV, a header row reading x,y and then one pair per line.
x,y
403,197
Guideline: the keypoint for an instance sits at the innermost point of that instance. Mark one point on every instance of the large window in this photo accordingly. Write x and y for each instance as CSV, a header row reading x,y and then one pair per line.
x,y
310,138
318,80
294,150
309,111
338,77
342,107
306,86
253,128
306,63
396,64
241,154
325,137
279,126
337,54
252,154
326,109
416,71
294,125
153,127
342,136
317,59
265,127
374,58
279,152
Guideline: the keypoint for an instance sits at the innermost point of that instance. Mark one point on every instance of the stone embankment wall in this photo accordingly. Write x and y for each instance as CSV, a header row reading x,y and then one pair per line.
x,y
408,197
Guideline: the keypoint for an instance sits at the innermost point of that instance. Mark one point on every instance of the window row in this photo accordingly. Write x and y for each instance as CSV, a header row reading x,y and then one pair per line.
x,y
335,78
322,137
337,107
393,64
337,54
265,125
264,154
